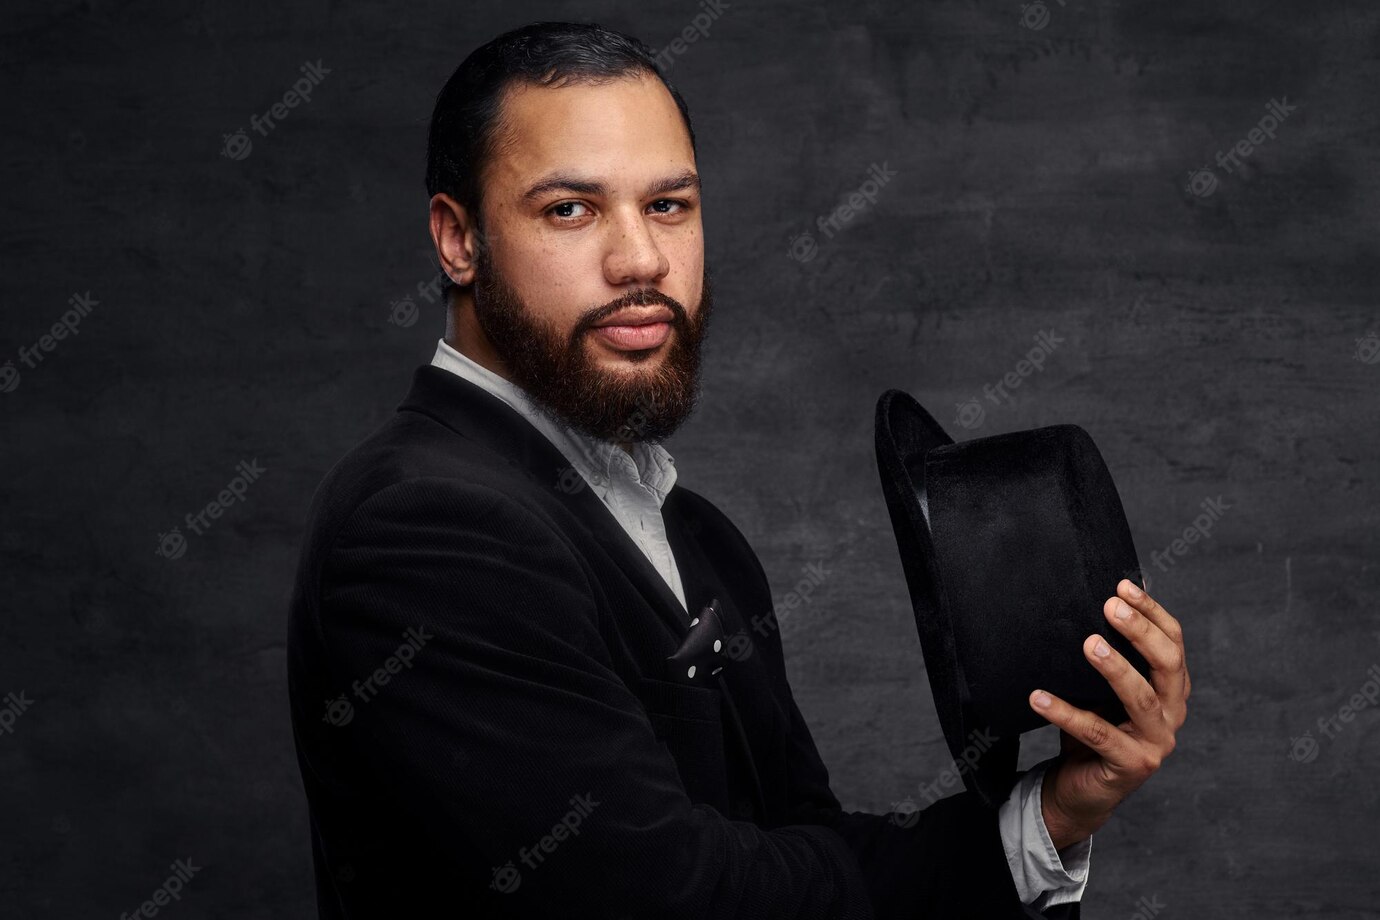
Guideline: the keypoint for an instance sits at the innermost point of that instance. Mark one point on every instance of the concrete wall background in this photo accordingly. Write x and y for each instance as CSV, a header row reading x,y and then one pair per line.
x,y
1218,337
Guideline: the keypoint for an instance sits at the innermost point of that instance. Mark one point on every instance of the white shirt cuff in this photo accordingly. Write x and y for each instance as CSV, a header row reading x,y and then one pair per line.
x,y
1039,871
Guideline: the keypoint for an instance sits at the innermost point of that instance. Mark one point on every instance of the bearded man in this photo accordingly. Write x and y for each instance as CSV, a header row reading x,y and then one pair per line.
x,y
498,586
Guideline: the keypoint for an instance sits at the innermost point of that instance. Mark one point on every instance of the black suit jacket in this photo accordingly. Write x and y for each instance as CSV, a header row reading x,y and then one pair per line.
x,y
485,729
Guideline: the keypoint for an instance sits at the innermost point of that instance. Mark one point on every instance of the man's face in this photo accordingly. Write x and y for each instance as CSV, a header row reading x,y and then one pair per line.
x,y
592,215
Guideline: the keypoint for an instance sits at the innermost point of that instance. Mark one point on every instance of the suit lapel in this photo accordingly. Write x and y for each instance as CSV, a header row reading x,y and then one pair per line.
x,y
702,584
480,416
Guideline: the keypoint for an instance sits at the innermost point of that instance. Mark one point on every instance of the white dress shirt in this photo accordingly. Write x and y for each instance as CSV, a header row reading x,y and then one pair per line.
x,y
633,488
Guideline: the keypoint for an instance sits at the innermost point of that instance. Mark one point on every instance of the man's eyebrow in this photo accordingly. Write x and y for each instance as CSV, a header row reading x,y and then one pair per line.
x,y
572,183
688,180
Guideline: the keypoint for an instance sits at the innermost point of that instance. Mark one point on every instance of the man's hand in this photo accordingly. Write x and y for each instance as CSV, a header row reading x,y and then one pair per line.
x,y
1101,763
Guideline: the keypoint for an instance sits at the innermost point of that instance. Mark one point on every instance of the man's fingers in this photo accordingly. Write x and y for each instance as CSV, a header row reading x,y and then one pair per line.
x,y
1164,651
1150,608
1141,700
1116,748
1160,651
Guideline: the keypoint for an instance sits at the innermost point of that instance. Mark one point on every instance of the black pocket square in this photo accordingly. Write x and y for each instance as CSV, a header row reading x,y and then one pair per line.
x,y
700,655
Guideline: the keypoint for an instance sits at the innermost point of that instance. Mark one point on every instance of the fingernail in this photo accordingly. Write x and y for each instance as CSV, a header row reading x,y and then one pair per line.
x,y
1042,699
1101,650
1123,610
1135,592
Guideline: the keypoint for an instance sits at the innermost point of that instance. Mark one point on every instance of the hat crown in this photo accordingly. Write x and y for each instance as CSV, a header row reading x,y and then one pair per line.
x,y
1010,544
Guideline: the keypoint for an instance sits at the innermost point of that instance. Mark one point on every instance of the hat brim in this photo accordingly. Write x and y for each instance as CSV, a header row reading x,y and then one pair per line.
x,y
904,433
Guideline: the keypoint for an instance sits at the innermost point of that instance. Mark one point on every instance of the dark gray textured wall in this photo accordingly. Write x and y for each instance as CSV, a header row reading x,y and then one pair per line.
x,y
1055,170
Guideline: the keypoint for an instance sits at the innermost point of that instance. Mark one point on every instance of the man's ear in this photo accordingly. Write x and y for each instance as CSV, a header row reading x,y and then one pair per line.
x,y
455,234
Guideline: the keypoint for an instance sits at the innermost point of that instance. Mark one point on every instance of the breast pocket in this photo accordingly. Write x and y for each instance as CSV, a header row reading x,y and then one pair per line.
x,y
689,722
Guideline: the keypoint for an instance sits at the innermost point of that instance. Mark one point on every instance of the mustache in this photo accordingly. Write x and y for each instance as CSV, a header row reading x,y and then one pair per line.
x,y
643,298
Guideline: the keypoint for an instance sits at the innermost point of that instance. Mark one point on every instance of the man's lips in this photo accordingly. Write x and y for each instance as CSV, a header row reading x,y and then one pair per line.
x,y
634,338
634,329
637,316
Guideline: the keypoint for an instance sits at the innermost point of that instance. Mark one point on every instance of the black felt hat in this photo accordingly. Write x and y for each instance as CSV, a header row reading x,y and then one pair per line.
x,y
1011,544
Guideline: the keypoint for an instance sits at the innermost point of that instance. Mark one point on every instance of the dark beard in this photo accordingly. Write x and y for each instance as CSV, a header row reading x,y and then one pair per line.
x,y
564,383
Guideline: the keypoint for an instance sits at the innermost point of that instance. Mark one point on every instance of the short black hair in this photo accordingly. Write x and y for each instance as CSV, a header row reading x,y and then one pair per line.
x,y
464,122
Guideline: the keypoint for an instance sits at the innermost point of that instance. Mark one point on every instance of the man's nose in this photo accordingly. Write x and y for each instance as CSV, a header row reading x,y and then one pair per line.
x,y
633,255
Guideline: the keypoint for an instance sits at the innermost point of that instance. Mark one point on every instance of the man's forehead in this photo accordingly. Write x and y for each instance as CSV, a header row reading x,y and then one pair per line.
x,y
628,128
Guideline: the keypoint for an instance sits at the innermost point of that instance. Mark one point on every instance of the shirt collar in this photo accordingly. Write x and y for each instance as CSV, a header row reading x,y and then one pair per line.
x,y
601,462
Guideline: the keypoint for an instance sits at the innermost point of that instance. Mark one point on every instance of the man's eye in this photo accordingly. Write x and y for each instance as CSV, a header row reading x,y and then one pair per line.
x,y
564,209
669,203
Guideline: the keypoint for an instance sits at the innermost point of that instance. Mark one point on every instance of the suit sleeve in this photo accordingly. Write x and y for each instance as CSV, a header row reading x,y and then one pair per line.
x,y
515,740
947,860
